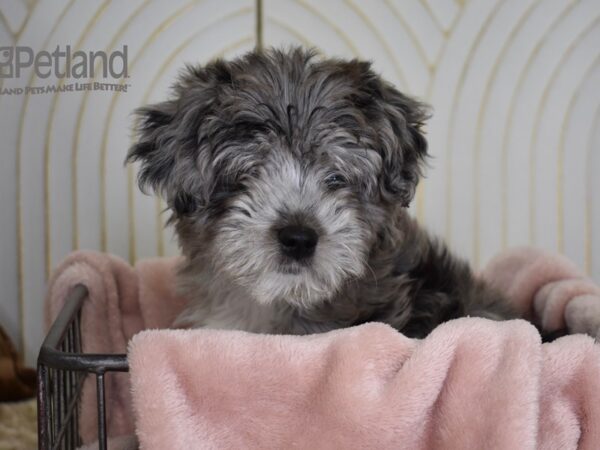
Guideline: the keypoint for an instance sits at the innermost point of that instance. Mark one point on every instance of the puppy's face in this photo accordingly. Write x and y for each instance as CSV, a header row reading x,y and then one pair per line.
x,y
280,170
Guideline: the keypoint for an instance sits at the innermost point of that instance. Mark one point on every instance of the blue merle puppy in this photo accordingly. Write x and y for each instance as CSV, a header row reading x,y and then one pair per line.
x,y
288,179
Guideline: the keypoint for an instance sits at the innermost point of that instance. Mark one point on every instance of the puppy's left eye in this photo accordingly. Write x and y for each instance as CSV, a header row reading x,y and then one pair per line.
x,y
335,181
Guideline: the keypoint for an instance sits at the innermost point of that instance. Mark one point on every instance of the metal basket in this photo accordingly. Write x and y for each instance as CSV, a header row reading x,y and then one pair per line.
x,y
61,371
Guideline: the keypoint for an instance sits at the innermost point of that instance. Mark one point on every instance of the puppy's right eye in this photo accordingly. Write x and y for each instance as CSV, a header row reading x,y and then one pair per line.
x,y
335,181
226,189
232,187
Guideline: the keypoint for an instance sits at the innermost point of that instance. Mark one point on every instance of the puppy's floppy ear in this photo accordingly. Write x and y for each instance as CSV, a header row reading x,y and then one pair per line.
x,y
171,140
403,145
405,150
156,145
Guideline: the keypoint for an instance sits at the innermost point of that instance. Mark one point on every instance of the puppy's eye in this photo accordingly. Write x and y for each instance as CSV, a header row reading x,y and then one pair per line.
x,y
335,181
225,189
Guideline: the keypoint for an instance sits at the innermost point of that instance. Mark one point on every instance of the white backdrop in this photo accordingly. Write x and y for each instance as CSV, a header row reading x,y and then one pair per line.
x,y
515,135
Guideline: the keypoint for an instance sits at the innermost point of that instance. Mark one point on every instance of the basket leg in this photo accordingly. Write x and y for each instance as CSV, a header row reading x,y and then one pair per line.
x,y
42,406
101,411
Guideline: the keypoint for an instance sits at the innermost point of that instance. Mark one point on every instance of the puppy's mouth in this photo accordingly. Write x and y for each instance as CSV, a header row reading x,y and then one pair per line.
x,y
290,267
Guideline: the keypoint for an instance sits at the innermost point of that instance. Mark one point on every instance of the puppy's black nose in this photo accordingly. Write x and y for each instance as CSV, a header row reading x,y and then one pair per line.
x,y
297,242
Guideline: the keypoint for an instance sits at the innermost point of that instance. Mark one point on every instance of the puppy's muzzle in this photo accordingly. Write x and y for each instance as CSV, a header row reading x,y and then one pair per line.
x,y
297,242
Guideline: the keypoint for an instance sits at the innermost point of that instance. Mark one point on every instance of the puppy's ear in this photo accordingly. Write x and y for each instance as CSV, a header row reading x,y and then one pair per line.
x,y
172,143
156,145
404,144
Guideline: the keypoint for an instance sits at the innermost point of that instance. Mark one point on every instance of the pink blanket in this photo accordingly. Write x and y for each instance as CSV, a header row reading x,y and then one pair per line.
x,y
472,383
123,300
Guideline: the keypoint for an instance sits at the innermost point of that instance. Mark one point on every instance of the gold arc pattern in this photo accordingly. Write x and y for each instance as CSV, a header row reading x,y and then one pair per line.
x,y
421,188
17,33
48,139
474,46
589,261
382,40
478,128
300,37
533,145
434,17
166,23
5,23
13,40
333,26
414,39
511,110
81,112
18,179
561,157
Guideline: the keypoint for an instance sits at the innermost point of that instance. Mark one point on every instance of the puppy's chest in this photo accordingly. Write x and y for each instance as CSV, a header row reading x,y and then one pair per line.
x,y
238,312
218,304
232,309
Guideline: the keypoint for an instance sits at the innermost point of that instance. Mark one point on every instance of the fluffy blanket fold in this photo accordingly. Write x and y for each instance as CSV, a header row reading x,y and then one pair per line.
x,y
472,383
123,300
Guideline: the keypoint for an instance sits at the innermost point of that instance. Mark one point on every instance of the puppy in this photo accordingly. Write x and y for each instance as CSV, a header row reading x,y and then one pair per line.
x,y
288,179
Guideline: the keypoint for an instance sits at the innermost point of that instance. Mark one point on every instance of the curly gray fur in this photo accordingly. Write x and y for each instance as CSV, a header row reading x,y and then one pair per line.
x,y
279,138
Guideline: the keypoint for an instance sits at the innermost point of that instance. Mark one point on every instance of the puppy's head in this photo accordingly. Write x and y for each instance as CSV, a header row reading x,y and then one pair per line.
x,y
280,169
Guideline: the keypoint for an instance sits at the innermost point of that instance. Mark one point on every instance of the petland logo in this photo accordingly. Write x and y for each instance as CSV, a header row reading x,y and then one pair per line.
x,y
62,64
